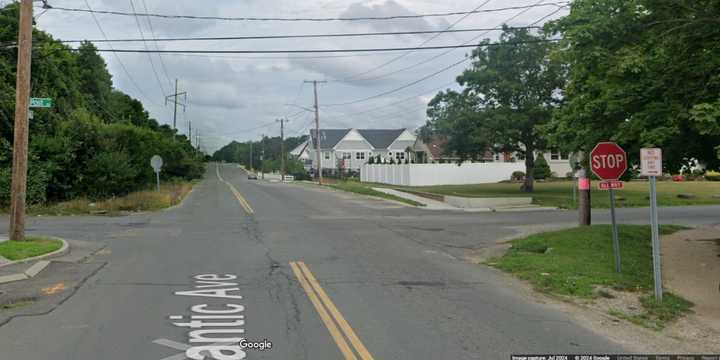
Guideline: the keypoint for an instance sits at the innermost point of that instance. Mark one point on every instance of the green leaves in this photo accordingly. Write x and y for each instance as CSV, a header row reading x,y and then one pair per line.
x,y
640,72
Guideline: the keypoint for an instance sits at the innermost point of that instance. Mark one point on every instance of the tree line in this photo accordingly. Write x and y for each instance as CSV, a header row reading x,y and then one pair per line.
x,y
642,73
264,155
95,141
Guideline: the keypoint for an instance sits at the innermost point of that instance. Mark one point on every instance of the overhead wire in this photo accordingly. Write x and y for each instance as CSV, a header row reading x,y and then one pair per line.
x,y
152,32
386,63
465,59
472,40
293,36
299,51
364,18
152,63
122,65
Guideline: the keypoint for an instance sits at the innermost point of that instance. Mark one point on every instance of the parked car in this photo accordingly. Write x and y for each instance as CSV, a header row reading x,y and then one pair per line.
x,y
252,176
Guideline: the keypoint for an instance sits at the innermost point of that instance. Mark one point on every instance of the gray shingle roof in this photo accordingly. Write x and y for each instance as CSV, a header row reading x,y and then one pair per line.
x,y
381,138
378,138
328,137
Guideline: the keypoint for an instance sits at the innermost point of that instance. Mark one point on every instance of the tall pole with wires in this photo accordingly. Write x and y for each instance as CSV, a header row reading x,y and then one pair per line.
x,y
22,107
175,102
317,130
282,147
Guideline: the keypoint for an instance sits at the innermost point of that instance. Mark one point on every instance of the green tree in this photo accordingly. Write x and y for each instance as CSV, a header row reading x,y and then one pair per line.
x,y
95,80
542,169
511,90
643,73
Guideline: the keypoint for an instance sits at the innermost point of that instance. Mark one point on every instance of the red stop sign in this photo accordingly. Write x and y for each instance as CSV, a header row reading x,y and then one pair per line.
x,y
608,161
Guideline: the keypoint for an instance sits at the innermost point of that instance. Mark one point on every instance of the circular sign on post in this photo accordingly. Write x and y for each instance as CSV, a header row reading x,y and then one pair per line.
x,y
608,161
157,163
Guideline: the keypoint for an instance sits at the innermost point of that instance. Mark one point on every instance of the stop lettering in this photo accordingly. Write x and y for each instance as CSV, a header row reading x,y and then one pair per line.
x,y
608,161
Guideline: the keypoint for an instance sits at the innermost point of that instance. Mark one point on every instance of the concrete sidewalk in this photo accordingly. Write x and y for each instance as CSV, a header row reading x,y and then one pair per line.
x,y
429,203
691,269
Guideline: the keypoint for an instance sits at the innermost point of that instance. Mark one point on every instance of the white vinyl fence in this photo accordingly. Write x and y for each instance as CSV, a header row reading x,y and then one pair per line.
x,y
439,174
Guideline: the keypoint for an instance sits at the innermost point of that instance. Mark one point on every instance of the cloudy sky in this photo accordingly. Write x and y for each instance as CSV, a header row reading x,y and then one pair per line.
x,y
238,97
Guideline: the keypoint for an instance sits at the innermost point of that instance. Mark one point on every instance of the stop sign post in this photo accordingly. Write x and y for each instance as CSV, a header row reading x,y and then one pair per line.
x,y
609,162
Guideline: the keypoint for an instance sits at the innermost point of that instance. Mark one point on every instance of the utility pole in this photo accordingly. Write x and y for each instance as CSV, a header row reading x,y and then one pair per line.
x,y
317,130
22,107
282,147
175,105
251,156
262,157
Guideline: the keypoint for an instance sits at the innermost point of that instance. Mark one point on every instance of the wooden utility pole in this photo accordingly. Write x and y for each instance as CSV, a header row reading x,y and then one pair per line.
x,y
317,131
18,191
262,157
282,147
175,105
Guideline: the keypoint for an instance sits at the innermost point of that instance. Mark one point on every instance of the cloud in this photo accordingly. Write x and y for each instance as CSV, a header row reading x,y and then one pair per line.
x,y
238,97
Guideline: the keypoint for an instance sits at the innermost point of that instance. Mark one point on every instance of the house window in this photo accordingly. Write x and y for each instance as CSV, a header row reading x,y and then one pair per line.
x,y
347,155
554,155
327,155
564,156
360,156
497,157
400,155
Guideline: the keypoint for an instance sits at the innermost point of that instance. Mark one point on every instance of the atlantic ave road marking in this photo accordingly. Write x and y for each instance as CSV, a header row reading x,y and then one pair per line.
x,y
241,199
323,305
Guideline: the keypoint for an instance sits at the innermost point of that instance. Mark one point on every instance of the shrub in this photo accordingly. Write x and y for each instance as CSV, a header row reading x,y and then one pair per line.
x,y
517,175
712,176
37,183
542,169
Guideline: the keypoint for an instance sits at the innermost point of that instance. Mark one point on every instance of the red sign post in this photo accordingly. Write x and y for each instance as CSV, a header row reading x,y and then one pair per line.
x,y
609,162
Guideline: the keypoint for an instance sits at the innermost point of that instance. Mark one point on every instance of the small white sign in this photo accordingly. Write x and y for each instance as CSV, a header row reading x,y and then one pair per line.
x,y
651,162
157,163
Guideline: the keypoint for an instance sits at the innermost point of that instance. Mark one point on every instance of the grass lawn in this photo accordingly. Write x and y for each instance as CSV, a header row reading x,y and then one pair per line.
x,y
170,194
560,193
576,261
18,250
366,189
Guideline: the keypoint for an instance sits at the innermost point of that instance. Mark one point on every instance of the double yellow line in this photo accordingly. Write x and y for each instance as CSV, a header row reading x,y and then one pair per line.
x,y
244,203
330,315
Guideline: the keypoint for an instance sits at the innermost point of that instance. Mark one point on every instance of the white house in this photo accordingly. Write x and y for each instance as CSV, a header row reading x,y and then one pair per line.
x,y
349,149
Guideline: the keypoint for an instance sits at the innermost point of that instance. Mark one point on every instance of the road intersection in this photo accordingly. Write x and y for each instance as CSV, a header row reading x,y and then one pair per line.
x,y
322,275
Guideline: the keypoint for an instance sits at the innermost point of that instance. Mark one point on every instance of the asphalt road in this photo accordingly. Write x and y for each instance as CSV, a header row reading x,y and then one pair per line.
x,y
390,280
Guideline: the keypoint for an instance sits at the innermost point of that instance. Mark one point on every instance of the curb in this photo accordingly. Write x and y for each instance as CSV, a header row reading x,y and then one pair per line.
x,y
36,268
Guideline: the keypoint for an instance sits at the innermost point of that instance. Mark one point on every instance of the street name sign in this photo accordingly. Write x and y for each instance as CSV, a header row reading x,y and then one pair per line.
x,y
612,184
608,161
41,102
651,162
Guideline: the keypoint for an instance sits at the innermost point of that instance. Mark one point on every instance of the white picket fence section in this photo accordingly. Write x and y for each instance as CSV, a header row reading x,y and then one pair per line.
x,y
439,174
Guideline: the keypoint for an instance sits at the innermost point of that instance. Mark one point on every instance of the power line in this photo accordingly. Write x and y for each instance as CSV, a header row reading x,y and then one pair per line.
x,y
152,64
152,32
402,87
366,18
293,51
475,38
122,65
447,29
450,66
295,36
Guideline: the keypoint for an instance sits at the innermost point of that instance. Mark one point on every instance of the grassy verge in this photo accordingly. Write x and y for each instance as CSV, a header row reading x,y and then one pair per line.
x,y
576,262
560,193
16,305
365,189
169,195
33,246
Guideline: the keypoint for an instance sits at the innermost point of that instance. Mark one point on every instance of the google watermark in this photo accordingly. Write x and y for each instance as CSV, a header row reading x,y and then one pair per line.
x,y
217,330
